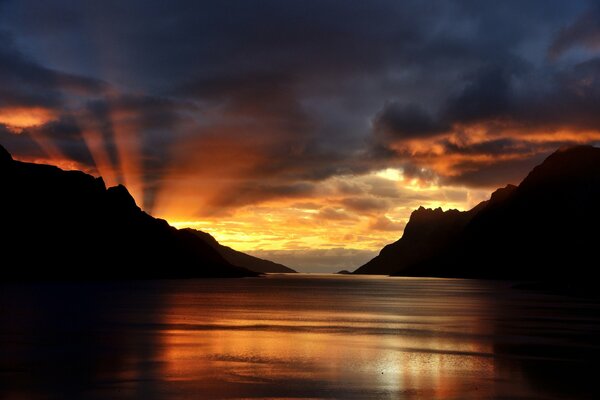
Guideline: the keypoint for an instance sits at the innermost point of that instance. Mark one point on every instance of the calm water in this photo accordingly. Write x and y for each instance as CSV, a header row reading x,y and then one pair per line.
x,y
295,336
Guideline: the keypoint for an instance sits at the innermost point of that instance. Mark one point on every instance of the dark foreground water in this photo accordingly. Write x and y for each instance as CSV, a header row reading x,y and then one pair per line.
x,y
297,336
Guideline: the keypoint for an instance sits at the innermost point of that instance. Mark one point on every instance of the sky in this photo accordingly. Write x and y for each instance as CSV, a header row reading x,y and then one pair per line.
x,y
301,131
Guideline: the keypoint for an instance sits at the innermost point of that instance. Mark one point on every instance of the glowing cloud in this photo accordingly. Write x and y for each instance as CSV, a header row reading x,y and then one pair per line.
x,y
20,118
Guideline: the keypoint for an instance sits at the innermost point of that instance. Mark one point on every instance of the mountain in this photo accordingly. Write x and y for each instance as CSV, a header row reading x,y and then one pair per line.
x,y
545,228
66,224
427,231
241,259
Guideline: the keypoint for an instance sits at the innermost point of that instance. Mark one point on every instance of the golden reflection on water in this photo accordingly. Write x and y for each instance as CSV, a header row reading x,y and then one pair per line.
x,y
301,341
292,337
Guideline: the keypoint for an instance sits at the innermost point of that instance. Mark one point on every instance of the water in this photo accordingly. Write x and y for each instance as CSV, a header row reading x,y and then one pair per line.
x,y
295,336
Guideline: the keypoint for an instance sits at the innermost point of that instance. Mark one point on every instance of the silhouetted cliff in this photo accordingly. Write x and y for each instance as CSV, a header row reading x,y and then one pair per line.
x,y
427,231
241,259
66,224
546,228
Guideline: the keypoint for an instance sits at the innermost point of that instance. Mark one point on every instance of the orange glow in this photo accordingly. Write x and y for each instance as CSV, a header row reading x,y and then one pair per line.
x,y
95,144
303,223
128,148
202,190
203,170
215,179
62,163
21,118
432,156
268,343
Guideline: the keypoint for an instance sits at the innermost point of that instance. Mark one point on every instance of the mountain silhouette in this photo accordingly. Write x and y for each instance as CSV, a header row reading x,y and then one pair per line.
x,y
547,228
241,259
66,224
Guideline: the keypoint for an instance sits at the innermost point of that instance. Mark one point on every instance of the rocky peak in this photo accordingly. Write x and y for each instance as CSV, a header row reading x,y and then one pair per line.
x,y
120,195
5,156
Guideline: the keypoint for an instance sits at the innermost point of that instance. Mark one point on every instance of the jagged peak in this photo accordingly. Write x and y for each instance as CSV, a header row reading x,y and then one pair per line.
x,y
430,218
100,182
4,155
433,212
122,195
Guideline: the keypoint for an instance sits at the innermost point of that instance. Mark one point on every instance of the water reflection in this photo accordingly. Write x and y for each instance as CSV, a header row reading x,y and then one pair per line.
x,y
295,337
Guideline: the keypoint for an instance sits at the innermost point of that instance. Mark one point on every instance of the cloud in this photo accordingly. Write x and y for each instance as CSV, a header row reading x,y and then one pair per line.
x,y
488,147
584,32
22,145
407,122
304,80
26,83
333,214
486,95
256,192
365,204
385,188
385,224
227,110
501,121
495,174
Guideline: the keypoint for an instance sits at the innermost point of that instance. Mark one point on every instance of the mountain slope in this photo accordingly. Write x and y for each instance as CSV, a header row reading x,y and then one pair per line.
x,y
241,259
67,224
427,230
545,228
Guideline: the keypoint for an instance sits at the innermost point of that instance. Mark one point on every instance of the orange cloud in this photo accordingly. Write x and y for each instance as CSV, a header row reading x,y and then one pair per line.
x,y
326,218
19,118
470,149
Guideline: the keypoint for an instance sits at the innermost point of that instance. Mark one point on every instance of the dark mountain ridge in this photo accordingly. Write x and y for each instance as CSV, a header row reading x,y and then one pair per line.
x,y
544,229
66,224
241,259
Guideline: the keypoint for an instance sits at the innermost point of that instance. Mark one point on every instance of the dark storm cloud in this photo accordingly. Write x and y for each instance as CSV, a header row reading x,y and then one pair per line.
x,y
501,97
584,32
496,174
486,95
490,147
186,40
509,104
531,99
407,122
258,99
309,85
24,82
22,145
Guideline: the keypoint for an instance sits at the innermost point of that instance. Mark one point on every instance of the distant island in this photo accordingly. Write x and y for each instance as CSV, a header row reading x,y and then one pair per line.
x,y
67,225
547,228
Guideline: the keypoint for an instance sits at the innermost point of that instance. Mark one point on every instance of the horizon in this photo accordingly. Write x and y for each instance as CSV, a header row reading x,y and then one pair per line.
x,y
301,133
335,259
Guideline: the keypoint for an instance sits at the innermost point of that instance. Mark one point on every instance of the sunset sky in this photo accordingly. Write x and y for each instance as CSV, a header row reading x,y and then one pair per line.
x,y
301,131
